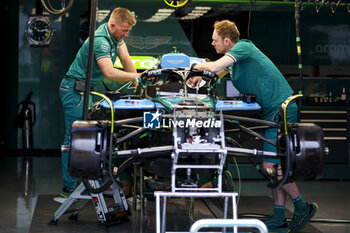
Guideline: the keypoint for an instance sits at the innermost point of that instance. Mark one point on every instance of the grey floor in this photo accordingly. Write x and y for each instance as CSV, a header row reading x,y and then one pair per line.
x,y
20,193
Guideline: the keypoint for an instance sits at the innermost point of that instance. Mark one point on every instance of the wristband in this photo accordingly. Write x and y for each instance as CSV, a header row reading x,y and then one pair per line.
x,y
137,79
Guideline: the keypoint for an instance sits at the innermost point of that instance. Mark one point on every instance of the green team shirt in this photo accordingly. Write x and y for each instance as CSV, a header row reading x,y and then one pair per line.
x,y
254,73
105,45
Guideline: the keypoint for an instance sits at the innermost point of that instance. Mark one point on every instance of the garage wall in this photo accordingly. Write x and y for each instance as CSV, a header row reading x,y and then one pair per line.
x,y
40,71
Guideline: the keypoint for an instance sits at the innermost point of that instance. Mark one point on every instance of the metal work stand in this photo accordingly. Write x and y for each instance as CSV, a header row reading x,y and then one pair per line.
x,y
189,189
106,214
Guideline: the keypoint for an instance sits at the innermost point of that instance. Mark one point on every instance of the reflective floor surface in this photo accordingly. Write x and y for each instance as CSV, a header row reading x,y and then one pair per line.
x,y
29,185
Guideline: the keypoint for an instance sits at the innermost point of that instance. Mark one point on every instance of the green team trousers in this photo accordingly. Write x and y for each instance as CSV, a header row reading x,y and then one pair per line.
x,y
73,103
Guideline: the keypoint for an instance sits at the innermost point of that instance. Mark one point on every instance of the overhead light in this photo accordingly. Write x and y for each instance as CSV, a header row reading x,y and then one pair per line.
x,y
163,14
166,10
160,15
102,15
206,8
197,12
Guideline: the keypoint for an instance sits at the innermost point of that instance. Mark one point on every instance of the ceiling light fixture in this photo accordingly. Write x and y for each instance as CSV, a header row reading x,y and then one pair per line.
x,y
197,12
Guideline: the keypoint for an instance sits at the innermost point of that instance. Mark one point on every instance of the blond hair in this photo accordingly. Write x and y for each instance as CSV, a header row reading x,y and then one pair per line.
x,y
120,15
227,29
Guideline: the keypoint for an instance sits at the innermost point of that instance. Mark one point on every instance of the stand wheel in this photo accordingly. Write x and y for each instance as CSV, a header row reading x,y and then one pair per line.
x,y
53,222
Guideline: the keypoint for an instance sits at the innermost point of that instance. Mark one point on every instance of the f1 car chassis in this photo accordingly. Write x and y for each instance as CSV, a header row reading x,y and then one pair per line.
x,y
198,142
198,125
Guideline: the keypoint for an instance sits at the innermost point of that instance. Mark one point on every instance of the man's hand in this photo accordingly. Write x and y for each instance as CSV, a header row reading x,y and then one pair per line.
x,y
195,81
137,80
136,84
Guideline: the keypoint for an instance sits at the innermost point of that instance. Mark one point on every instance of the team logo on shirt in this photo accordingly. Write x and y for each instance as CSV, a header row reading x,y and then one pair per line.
x,y
176,3
105,47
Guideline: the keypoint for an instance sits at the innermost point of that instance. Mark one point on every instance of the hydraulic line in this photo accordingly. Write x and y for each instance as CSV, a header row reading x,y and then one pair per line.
x,y
284,106
111,106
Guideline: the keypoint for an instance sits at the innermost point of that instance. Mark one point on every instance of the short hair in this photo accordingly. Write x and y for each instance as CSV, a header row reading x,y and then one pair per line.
x,y
120,15
227,29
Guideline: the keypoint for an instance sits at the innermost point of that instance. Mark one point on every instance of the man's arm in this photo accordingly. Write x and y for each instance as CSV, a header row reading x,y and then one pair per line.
x,y
108,70
125,59
216,66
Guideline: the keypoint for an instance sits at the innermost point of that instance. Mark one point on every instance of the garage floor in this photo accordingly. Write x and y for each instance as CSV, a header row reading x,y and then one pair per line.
x,y
28,204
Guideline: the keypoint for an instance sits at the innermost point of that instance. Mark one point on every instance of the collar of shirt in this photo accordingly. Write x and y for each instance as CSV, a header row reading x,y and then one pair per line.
x,y
110,35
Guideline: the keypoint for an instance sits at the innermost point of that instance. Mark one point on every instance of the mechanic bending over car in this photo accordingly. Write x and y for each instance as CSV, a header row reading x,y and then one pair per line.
x,y
252,72
109,44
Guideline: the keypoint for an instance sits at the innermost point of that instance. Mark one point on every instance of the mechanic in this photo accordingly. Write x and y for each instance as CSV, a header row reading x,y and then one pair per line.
x,y
252,72
109,44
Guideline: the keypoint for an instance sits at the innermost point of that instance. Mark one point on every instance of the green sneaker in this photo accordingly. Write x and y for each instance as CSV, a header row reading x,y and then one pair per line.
x,y
275,227
299,221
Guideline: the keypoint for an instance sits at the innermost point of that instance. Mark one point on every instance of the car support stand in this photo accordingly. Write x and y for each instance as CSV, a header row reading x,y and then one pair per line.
x,y
106,214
